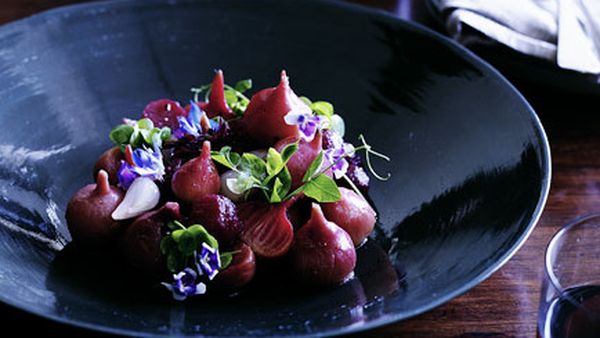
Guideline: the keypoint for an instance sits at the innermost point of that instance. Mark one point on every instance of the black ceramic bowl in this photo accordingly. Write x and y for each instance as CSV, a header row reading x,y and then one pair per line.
x,y
470,170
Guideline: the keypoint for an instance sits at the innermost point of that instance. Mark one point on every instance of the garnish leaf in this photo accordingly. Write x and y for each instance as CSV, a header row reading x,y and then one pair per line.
x,y
254,164
275,197
186,243
274,162
243,85
314,166
202,236
226,259
288,151
145,123
121,134
322,108
323,189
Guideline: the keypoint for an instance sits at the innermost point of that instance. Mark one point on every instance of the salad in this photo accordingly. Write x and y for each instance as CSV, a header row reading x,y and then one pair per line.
x,y
197,196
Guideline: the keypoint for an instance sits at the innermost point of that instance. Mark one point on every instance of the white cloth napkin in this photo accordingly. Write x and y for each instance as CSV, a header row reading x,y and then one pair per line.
x,y
566,32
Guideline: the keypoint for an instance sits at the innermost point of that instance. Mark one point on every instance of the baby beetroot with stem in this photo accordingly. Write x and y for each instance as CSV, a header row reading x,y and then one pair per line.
x,y
216,105
110,161
241,270
140,242
323,253
89,212
264,120
266,228
218,214
196,178
353,214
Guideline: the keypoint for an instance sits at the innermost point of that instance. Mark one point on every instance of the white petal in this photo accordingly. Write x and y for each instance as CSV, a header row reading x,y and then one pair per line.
x,y
200,288
229,186
292,116
142,195
337,125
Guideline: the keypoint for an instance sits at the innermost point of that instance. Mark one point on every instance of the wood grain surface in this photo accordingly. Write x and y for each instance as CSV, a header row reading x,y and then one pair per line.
x,y
506,304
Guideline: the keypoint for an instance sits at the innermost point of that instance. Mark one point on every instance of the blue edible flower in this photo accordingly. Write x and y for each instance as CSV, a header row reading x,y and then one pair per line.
x,y
145,162
190,125
184,285
336,155
308,124
209,261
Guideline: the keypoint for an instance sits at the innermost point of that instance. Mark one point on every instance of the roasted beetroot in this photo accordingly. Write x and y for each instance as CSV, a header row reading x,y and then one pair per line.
x,y
216,105
301,160
264,121
196,178
266,228
89,212
353,214
140,243
164,113
110,161
218,214
323,252
241,270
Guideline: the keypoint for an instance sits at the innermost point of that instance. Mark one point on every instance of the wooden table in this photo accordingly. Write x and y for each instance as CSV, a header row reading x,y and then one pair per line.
x,y
506,304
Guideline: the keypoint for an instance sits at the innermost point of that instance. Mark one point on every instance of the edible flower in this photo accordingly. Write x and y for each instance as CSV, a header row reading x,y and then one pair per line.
x,y
190,125
209,261
308,124
184,285
142,162
336,155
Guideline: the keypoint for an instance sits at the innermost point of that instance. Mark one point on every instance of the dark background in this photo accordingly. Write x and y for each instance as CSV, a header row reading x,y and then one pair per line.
x,y
506,304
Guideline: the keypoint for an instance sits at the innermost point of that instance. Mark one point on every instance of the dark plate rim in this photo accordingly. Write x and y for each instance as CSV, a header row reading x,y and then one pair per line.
x,y
390,318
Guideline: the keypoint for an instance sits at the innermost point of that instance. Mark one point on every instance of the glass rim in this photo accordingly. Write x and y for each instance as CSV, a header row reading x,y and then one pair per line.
x,y
548,270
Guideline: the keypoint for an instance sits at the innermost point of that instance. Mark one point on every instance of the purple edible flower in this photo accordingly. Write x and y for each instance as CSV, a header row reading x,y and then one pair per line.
x,y
190,125
146,162
308,124
209,261
184,285
336,155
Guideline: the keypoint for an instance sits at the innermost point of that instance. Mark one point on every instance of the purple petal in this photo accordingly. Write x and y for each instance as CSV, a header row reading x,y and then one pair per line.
x,y
126,175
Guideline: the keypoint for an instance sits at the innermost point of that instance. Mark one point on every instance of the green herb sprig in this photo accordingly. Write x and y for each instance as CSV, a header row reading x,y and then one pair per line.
x,y
139,133
180,245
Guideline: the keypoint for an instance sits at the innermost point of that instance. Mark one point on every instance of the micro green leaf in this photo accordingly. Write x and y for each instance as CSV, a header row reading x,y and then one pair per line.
x,y
145,123
274,162
275,197
322,108
187,243
288,151
226,259
121,134
314,167
323,189
243,85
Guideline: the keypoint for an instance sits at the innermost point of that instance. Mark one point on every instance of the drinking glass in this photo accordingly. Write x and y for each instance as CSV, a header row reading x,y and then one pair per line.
x,y
570,299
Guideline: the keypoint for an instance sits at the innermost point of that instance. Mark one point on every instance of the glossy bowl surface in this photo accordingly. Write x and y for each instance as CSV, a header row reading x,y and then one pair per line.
x,y
470,169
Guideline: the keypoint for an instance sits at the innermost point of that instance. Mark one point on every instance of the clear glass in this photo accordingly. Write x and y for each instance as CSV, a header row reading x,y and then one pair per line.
x,y
570,299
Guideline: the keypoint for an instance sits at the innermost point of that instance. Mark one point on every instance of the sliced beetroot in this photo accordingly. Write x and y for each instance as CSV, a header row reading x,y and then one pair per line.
x,y
89,212
263,120
241,270
353,214
196,178
218,214
322,253
217,105
140,242
307,152
164,113
266,228
110,161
